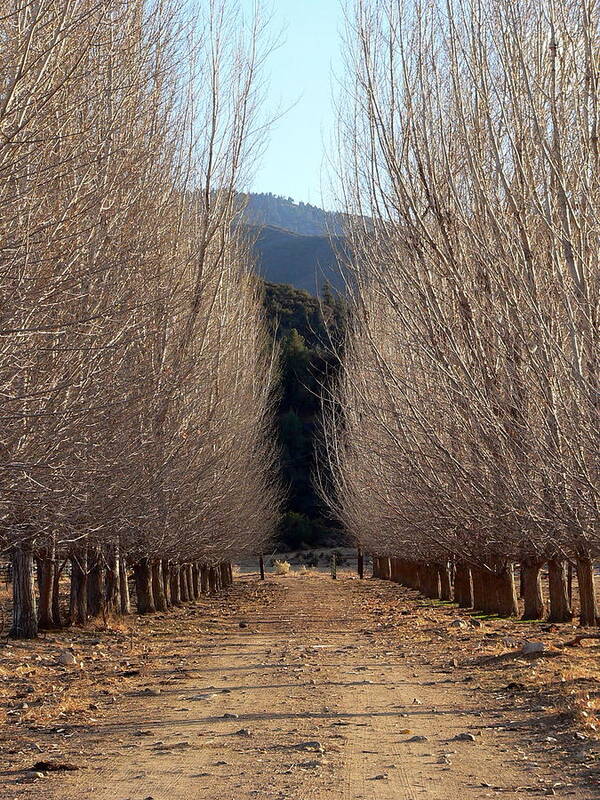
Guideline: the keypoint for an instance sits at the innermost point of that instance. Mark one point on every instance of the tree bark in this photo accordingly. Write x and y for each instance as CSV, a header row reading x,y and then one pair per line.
x,y
480,601
124,587
112,589
95,582
413,574
587,591
158,589
25,622
166,575
78,595
386,569
204,587
570,583
196,580
183,587
212,580
56,618
521,583
360,564
190,582
431,581
445,581
224,575
506,592
463,589
175,585
533,597
142,573
45,570
393,569
560,606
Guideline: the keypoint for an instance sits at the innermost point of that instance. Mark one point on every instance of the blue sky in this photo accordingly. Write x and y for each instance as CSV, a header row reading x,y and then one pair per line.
x,y
300,77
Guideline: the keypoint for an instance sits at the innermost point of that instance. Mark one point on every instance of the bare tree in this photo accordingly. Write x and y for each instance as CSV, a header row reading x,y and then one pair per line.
x,y
133,359
471,191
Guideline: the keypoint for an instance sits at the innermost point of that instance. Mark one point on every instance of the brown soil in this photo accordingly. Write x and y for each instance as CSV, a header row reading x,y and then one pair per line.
x,y
342,690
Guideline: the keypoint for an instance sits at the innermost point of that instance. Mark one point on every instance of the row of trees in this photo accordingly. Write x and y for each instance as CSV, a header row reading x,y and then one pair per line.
x,y
471,428
134,369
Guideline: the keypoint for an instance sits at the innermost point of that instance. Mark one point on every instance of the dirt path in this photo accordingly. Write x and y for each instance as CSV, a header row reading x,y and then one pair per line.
x,y
311,698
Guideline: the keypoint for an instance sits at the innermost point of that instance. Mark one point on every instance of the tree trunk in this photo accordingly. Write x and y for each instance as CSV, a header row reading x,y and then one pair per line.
x,y
112,589
175,585
78,597
56,596
521,583
445,581
463,590
401,571
413,574
360,564
196,580
183,587
95,582
393,568
158,589
386,565
166,576
124,587
190,581
46,567
204,588
487,588
25,623
533,597
142,572
560,606
587,591
507,604
431,581
212,580
570,583
224,575
480,577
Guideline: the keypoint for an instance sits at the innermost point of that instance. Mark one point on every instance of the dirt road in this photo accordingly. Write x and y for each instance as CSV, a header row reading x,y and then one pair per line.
x,y
302,692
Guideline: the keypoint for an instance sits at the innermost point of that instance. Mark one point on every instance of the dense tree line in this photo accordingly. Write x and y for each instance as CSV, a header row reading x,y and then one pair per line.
x,y
471,432
134,365
309,331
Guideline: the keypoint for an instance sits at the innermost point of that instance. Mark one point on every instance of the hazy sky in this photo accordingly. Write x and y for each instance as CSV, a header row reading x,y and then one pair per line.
x,y
300,73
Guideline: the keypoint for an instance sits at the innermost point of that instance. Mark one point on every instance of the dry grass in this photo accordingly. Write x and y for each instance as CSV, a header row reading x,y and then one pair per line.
x,y
282,567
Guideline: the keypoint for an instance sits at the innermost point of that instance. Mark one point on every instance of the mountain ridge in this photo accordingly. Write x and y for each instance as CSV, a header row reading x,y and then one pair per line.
x,y
304,255
262,209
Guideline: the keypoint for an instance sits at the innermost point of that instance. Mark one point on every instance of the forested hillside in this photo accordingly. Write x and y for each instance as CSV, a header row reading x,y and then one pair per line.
x,y
309,333
284,212
305,262
295,243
